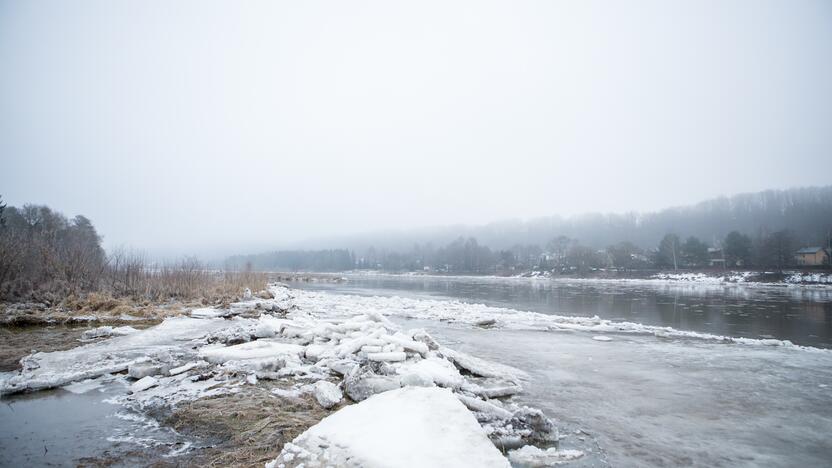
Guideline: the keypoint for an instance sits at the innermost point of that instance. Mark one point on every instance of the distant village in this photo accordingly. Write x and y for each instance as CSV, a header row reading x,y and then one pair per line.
x,y
561,255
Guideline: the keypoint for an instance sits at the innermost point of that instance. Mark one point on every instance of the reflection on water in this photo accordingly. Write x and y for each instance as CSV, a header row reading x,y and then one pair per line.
x,y
801,315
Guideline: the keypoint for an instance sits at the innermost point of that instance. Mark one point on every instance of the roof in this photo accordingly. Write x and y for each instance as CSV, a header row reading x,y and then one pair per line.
x,y
809,250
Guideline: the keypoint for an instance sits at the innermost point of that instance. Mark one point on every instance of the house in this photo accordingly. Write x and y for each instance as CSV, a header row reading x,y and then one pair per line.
x,y
809,256
716,257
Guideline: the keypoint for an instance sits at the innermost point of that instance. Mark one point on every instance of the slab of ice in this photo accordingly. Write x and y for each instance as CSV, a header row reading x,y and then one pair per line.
x,y
481,367
112,355
438,371
144,369
186,367
388,357
207,312
106,331
252,350
409,427
143,384
530,456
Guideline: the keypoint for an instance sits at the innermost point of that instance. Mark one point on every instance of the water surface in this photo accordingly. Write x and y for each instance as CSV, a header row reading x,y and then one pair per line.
x,y
801,315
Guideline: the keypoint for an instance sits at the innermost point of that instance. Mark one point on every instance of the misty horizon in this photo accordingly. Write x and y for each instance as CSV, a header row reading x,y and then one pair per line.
x,y
425,234
247,129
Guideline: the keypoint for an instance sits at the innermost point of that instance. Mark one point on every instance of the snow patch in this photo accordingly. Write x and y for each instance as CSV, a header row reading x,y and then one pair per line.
x,y
408,427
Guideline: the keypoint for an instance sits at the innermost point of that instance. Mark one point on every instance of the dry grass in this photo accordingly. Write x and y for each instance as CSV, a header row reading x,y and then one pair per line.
x,y
250,427
187,280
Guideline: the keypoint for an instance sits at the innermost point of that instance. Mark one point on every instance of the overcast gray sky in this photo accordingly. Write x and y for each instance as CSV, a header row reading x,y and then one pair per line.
x,y
191,126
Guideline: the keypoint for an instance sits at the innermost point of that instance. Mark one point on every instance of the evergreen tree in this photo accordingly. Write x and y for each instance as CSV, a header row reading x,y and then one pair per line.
x,y
737,249
695,252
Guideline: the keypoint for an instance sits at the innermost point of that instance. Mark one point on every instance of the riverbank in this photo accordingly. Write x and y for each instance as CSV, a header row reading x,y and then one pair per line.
x,y
788,278
27,327
249,378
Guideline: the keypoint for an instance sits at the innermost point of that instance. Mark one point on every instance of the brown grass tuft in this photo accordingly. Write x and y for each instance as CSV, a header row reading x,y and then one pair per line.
x,y
250,427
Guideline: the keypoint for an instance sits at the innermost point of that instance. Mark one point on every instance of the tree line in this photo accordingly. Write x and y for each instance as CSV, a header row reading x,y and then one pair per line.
x,y
45,256
561,254
806,213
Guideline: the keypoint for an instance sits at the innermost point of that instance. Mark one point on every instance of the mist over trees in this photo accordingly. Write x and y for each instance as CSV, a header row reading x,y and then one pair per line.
x,y
806,212
750,230
296,260
42,250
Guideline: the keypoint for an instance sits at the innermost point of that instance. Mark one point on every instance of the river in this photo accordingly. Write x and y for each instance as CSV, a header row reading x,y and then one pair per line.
x,y
798,314
645,401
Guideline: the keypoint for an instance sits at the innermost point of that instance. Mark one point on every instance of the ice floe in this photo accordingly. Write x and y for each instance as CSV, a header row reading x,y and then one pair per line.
x,y
164,343
106,331
533,457
407,427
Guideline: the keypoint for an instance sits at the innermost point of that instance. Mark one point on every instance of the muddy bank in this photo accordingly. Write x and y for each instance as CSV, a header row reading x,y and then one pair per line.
x,y
27,328
17,342
94,311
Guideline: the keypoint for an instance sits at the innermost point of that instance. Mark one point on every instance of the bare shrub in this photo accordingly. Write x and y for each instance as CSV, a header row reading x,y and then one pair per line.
x,y
129,274
42,253
46,257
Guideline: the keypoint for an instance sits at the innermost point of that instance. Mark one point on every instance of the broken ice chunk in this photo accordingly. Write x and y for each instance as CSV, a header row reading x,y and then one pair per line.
x,y
533,457
395,356
143,384
327,394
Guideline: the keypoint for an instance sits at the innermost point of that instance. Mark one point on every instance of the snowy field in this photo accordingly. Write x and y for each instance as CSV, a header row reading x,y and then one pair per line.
x,y
430,380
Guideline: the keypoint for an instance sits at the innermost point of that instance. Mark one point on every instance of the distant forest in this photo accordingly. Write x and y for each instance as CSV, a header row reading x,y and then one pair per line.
x,y
757,229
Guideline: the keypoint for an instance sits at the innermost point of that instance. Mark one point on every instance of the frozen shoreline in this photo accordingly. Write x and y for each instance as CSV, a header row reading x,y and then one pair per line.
x,y
333,356
822,281
497,317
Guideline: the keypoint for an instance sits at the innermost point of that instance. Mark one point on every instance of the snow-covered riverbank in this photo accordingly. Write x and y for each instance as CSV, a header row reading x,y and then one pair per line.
x,y
336,354
756,279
